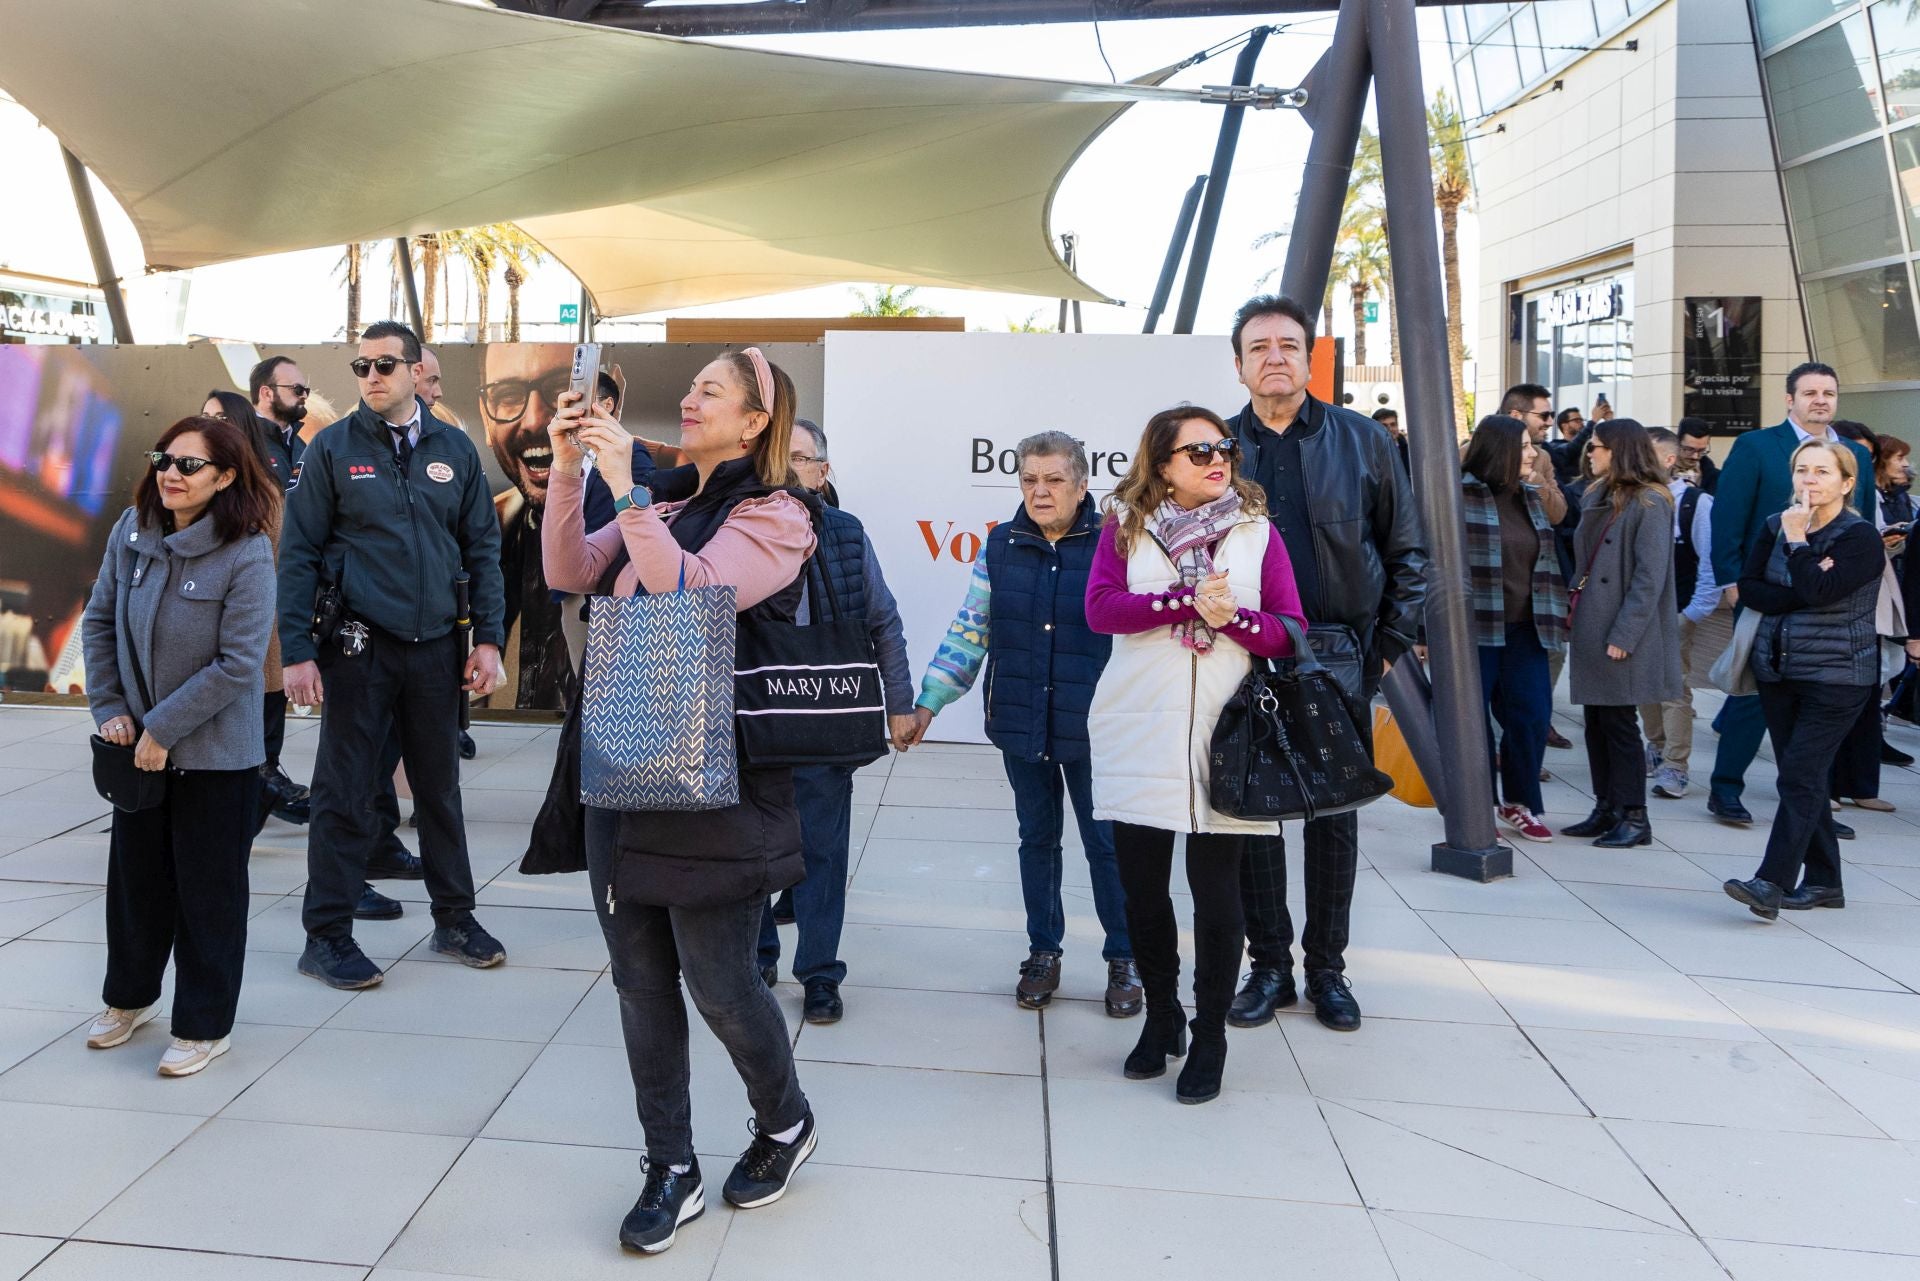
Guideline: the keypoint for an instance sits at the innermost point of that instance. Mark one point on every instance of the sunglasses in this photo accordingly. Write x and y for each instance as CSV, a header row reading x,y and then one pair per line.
x,y
1200,453
300,390
506,399
185,466
384,364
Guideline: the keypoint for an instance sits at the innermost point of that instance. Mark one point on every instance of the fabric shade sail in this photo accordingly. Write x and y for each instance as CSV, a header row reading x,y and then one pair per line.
x,y
663,172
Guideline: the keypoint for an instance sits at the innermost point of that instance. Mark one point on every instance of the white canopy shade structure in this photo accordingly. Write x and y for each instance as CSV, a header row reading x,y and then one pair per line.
x,y
663,172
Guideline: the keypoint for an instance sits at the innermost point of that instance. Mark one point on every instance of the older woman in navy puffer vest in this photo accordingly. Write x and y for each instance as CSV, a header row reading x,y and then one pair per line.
x,y
1025,619
1814,579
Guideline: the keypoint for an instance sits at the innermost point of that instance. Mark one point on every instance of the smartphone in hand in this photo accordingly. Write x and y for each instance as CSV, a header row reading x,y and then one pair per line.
x,y
584,378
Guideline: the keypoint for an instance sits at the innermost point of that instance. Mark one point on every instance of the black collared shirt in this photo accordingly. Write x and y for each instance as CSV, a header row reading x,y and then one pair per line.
x,y
1277,470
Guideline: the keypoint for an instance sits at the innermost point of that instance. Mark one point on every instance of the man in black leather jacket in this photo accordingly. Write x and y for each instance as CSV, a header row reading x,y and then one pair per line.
x,y
1344,508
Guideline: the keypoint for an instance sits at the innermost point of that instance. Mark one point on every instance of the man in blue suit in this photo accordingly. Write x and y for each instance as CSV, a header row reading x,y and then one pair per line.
x,y
1756,482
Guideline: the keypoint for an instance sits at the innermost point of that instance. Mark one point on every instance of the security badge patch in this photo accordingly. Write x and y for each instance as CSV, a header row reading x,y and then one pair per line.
x,y
442,472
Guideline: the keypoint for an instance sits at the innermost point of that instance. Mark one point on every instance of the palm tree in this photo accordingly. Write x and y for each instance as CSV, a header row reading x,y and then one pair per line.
x,y
889,300
521,252
426,249
1452,190
349,265
1361,260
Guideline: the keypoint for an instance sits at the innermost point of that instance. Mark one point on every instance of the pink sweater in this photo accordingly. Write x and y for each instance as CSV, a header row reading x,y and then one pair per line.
x,y
758,551
1112,609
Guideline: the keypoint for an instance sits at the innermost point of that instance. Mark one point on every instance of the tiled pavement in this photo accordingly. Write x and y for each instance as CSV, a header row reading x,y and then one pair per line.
x,y
1600,1069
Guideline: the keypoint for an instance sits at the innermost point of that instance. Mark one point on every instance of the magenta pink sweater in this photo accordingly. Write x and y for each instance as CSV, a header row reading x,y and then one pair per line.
x,y
1114,610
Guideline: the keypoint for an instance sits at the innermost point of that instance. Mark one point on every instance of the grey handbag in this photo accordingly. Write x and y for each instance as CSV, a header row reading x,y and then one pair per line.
x,y
656,702
1733,671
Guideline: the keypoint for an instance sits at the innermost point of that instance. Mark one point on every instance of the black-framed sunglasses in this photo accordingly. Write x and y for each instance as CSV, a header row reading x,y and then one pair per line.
x,y
384,364
185,466
506,399
1200,453
300,390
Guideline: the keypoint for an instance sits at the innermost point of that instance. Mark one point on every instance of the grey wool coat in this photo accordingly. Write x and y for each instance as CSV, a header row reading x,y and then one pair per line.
x,y
1627,601
197,613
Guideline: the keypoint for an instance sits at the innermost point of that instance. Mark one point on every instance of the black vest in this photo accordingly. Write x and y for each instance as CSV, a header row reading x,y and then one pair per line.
x,y
1835,644
842,557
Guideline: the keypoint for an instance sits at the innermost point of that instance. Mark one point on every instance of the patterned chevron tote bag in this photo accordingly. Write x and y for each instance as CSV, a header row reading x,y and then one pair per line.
x,y
656,702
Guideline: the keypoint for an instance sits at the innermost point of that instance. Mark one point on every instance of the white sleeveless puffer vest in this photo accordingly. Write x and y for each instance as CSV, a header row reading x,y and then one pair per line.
x,y
1151,724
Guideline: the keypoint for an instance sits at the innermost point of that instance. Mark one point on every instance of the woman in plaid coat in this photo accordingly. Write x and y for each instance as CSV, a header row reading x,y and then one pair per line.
x,y
1519,610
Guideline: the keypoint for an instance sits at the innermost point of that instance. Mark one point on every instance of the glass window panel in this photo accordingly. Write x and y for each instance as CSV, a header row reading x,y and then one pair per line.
x,y
1842,208
1611,13
1498,69
1482,17
1526,35
1906,163
1469,88
1863,325
1896,30
1456,30
1565,23
1820,89
1782,18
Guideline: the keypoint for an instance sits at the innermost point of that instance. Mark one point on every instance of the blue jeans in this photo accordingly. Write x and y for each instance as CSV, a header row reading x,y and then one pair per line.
x,y
824,796
1513,678
1037,796
1741,725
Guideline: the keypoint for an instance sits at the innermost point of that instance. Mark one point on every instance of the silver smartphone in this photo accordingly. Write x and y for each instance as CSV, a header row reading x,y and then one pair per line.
x,y
585,379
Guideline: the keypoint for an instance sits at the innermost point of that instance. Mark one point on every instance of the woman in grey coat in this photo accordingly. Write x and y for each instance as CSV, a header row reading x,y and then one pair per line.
x,y
1625,644
176,634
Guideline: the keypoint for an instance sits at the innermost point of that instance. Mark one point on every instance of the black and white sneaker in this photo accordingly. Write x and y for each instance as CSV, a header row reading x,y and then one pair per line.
x,y
761,1175
668,1200
467,943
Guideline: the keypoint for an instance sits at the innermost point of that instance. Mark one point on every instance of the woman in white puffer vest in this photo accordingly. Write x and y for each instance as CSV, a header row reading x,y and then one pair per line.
x,y
1190,579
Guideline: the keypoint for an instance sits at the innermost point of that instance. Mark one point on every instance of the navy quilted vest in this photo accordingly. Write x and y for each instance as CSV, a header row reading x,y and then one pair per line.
x,y
843,554
1042,660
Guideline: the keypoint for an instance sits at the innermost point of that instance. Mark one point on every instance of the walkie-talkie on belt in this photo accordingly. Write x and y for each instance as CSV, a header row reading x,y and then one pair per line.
x,y
463,627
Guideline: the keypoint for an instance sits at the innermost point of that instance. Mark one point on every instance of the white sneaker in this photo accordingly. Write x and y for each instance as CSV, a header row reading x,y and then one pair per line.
x,y
114,1026
184,1058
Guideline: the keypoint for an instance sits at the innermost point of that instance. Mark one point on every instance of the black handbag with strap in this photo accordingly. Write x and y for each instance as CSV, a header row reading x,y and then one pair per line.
x,y
115,776
809,695
1289,744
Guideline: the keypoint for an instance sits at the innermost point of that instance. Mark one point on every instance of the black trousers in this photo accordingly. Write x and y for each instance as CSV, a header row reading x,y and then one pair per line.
x,y
1807,721
1856,765
386,799
1145,858
1617,757
274,721
417,686
1332,855
177,886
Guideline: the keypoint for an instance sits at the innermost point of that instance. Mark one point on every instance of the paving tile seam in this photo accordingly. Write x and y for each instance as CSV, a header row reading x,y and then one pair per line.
x,y
1355,1204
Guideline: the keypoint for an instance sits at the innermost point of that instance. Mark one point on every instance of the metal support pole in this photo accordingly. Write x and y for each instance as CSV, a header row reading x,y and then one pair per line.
x,y
97,246
586,315
1470,849
412,286
1216,194
1336,99
1182,228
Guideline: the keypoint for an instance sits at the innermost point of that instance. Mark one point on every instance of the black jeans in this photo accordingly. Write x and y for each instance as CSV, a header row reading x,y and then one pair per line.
x,y
824,796
1807,720
417,686
1617,756
1332,857
713,948
1856,764
1145,856
177,886
274,722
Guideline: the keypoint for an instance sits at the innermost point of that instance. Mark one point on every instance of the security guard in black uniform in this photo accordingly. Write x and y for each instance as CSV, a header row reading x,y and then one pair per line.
x,y
391,508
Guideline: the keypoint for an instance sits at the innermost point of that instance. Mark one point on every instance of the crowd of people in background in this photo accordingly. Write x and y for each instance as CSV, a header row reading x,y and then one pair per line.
x,y
359,570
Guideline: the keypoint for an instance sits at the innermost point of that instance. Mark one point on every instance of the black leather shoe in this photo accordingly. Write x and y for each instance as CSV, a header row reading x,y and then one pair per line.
x,y
667,1201
1632,829
783,908
1163,1036
375,906
1603,820
467,943
770,974
1842,831
289,802
823,1002
1199,1080
1761,897
397,865
1728,809
1891,755
1813,896
1333,1002
468,748
1264,992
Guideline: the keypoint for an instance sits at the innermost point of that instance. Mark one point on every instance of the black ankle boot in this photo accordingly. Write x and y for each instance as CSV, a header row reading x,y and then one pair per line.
x,y
1163,1036
1200,1078
1632,829
1603,819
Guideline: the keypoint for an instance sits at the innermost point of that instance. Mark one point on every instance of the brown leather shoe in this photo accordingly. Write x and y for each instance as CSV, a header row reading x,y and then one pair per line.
x,y
1125,997
1039,979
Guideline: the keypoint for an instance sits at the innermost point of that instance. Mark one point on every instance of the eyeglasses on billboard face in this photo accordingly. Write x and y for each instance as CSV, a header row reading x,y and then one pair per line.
x,y
506,399
384,365
185,466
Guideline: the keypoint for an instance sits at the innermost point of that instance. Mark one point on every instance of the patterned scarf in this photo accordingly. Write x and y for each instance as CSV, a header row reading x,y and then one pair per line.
x,y
1188,538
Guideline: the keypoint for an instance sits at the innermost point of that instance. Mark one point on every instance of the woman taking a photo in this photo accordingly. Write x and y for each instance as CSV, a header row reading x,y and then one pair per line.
x,y
1519,610
1190,579
175,634
1816,659
1625,644
680,894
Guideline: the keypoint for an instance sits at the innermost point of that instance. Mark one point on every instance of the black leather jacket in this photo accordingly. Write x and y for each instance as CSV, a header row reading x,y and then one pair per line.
x,y
1366,535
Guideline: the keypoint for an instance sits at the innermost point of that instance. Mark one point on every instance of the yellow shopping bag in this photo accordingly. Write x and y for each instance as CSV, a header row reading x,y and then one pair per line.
x,y
1390,755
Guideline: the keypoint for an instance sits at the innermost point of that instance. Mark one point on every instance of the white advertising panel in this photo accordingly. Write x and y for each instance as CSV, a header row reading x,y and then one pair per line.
x,y
922,428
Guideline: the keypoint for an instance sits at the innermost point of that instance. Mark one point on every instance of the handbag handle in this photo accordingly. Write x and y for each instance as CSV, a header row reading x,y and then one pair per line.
x,y
1304,659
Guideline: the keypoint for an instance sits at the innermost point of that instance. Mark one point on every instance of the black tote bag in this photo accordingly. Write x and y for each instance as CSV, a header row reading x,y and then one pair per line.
x,y
809,695
1289,743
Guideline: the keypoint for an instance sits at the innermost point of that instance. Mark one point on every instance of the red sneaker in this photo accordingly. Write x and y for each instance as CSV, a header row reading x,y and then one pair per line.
x,y
1524,822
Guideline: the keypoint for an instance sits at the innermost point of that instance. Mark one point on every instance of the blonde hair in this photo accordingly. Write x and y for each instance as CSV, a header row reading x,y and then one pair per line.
x,y
1843,457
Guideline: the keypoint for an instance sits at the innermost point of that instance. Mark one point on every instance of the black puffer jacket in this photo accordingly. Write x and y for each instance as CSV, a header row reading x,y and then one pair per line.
x,y
1817,624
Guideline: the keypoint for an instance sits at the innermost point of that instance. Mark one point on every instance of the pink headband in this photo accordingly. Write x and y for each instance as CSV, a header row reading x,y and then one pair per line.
x,y
763,375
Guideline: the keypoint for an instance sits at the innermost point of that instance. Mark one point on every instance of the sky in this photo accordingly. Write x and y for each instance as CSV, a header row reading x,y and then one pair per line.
x,y
1120,199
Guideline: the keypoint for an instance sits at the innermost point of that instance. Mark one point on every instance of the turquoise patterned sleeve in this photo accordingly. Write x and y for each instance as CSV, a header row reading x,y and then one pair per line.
x,y
963,649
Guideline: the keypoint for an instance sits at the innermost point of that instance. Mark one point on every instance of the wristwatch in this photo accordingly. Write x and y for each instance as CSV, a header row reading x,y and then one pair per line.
x,y
638,496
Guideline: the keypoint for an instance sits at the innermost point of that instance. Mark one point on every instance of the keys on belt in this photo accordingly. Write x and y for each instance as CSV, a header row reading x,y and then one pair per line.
x,y
353,638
